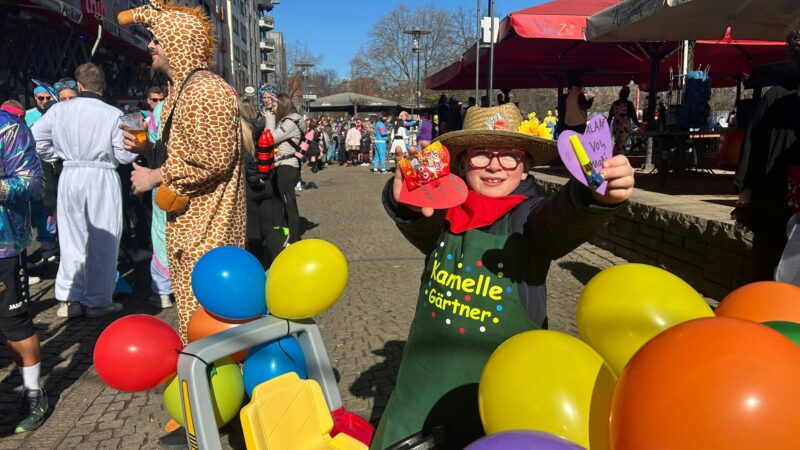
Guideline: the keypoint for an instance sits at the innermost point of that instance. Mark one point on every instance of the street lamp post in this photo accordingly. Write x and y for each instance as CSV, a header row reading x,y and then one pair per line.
x,y
304,66
416,48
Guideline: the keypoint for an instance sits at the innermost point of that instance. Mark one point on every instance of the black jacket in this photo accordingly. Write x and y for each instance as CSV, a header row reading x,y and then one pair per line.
x,y
546,228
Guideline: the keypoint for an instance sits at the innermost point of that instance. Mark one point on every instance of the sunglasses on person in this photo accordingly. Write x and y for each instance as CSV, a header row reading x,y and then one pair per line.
x,y
508,159
44,98
155,99
67,84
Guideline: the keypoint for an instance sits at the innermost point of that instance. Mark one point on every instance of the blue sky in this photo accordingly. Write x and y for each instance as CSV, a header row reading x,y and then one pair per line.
x,y
336,29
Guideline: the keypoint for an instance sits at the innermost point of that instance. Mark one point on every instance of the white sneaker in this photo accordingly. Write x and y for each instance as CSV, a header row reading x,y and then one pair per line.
x,y
363,164
33,280
141,255
299,186
160,301
101,311
70,309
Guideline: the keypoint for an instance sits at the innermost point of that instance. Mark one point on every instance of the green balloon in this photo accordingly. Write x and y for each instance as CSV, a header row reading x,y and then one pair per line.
x,y
789,329
227,393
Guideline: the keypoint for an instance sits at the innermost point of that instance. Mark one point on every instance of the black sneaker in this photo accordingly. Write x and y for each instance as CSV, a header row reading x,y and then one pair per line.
x,y
35,401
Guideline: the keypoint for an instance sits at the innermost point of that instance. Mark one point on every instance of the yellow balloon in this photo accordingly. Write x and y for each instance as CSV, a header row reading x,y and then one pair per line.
x,y
548,381
305,279
624,306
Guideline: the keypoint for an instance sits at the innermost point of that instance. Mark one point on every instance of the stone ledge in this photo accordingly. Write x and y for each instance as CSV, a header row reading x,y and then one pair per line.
x,y
694,240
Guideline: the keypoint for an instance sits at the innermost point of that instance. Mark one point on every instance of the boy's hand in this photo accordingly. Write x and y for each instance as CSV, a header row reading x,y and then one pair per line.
x,y
619,174
398,186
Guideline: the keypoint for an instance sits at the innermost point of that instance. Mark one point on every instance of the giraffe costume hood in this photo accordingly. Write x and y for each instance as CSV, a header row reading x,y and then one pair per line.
x,y
204,148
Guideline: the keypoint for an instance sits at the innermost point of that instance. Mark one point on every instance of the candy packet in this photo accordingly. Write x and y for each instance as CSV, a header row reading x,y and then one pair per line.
x,y
425,166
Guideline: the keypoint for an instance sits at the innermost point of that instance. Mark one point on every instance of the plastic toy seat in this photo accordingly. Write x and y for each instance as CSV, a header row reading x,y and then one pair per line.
x,y
287,413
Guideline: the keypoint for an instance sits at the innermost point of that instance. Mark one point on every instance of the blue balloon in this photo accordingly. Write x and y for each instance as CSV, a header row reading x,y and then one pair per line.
x,y
273,359
230,283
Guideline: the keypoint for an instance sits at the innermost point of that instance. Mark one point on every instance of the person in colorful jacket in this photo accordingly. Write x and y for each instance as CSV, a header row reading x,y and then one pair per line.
x,y
381,133
21,181
486,268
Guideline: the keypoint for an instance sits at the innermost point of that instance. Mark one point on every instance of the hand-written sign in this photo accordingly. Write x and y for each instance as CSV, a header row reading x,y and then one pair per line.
x,y
442,193
596,142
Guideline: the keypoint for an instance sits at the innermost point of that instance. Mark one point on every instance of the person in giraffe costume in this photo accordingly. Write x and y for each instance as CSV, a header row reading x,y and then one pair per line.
x,y
202,172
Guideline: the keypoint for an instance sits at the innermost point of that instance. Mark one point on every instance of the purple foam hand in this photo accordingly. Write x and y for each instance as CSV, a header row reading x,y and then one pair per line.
x,y
597,143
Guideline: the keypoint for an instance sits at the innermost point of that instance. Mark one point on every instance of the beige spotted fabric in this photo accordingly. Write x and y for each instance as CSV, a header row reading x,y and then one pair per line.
x,y
204,149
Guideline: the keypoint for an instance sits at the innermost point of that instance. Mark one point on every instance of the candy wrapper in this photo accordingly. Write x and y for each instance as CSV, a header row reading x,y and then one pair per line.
x,y
427,181
432,163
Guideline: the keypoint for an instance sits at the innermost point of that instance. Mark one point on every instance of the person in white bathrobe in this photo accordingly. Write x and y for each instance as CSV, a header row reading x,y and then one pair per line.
x,y
85,133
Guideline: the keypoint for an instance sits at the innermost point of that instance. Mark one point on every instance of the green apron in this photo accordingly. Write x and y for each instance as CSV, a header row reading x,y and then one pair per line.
x,y
468,305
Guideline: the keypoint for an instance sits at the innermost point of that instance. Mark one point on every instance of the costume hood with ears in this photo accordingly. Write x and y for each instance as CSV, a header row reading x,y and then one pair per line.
x,y
184,33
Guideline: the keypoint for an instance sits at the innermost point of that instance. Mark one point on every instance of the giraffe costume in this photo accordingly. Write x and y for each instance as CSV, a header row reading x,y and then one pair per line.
x,y
204,147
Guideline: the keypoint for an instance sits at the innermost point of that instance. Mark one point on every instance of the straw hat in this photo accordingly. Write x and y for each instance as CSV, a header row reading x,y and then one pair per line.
x,y
496,128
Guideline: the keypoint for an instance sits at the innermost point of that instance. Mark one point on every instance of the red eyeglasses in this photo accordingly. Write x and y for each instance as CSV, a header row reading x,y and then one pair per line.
x,y
508,159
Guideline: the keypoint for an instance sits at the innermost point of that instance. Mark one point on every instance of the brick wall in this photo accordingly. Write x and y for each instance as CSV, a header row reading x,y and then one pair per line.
x,y
711,255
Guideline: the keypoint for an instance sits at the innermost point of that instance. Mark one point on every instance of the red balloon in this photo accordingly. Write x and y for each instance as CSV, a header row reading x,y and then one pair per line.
x,y
712,383
764,301
136,353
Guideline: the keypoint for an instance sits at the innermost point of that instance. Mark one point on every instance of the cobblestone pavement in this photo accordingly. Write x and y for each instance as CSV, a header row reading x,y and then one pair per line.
x,y
364,332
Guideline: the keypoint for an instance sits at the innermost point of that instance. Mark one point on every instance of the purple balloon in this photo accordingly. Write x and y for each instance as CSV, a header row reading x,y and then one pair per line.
x,y
523,440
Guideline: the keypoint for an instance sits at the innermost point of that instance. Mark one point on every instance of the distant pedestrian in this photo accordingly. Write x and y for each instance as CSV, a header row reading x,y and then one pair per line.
x,y
353,142
577,107
381,135
621,115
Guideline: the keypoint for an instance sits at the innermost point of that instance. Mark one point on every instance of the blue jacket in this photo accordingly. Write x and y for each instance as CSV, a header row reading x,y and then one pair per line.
x,y
380,131
21,180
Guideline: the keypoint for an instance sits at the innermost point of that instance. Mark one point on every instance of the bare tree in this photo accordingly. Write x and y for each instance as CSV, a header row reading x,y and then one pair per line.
x,y
464,28
389,59
297,52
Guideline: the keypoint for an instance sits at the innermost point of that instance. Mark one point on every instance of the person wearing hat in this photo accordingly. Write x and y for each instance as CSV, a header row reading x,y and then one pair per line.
x,y
486,267
42,96
43,218
620,116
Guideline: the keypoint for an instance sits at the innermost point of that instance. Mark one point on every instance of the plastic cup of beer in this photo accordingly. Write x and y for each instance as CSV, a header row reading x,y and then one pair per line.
x,y
134,124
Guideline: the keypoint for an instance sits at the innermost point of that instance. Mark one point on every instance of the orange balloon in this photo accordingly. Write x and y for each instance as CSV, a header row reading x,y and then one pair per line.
x,y
764,301
204,324
711,383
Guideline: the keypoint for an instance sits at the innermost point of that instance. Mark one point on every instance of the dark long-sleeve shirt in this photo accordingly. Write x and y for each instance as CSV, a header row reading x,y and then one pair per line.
x,y
771,146
547,227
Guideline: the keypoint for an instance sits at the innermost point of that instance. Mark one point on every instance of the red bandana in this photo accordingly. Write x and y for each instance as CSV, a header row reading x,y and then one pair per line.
x,y
479,211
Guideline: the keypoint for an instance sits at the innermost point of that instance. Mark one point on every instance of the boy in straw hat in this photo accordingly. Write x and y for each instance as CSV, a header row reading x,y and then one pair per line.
x,y
487,262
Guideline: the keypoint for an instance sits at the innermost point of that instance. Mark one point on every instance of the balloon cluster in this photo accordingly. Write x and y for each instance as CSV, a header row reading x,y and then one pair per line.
x,y
139,352
654,367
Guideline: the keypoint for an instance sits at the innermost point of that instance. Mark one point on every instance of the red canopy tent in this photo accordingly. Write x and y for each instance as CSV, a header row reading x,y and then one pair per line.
x,y
537,47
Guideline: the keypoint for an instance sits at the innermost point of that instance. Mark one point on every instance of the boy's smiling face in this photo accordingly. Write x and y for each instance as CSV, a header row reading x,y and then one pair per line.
x,y
493,180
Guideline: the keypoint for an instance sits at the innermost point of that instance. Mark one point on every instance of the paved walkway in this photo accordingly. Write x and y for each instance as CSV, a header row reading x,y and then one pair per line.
x,y
364,332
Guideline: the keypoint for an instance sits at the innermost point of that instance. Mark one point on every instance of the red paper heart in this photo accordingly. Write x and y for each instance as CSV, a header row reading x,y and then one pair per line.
x,y
443,193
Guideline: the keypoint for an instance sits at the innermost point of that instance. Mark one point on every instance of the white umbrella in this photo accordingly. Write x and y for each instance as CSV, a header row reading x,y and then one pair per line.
x,y
677,20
